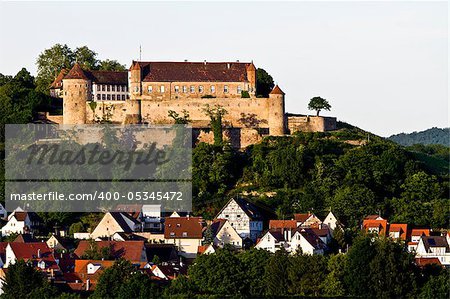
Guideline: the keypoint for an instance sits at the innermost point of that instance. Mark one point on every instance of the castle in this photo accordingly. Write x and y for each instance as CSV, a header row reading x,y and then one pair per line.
x,y
149,90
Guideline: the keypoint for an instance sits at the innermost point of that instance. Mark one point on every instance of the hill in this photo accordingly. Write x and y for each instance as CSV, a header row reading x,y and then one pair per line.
x,y
430,136
354,172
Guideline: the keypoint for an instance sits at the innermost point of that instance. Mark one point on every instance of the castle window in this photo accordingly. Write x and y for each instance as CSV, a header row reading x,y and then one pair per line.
x,y
177,88
107,87
98,97
239,89
213,89
113,97
108,97
161,88
113,88
103,87
192,88
225,88
103,97
150,88
136,89
123,87
123,97
184,89
200,89
98,87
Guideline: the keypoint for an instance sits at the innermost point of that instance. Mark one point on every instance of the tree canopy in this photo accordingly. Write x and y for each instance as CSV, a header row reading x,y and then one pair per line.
x,y
318,104
264,83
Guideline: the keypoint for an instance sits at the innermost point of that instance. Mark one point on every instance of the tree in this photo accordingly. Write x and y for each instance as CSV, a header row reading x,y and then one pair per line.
x,y
138,286
254,263
275,278
216,114
112,279
437,287
318,104
86,58
50,62
264,83
111,65
180,120
22,280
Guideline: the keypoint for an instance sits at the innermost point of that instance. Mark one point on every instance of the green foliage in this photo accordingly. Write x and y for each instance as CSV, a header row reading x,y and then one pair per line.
x,y
96,253
23,281
208,96
216,114
111,65
430,136
437,287
318,104
245,94
123,281
264,83
180,119
51,61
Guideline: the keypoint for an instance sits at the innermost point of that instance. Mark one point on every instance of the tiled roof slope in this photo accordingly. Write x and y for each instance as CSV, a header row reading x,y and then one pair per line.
x,y
193,71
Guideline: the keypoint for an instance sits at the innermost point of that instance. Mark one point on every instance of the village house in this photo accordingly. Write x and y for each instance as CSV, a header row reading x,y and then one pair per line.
x,y
245,217
398,231
86,274
414,236
37,253
434,247
20,222
331,221
169,271
374,224
307,219
206,249
224,234
184,232
114,222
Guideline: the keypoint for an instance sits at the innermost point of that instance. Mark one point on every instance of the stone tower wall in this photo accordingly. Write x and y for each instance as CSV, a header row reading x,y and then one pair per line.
x,y
76,93
276,115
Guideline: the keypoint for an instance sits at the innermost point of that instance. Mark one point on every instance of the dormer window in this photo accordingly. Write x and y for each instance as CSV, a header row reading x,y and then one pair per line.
x,y
172,234
184,234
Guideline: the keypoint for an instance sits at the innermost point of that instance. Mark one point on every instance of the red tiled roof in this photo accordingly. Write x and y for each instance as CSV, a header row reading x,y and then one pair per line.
x,y
420,232
302,217
183,227
381,224
193,71
109,77
37,251
277,90
423,261
57,83
291,224
77,73
202,248
129,250
401,228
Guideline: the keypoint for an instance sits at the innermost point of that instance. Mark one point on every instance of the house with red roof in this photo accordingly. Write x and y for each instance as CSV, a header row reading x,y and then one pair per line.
x,y
37,253
280,224
307,219
398,231
375,226
186,233
224,234
114,222
20,222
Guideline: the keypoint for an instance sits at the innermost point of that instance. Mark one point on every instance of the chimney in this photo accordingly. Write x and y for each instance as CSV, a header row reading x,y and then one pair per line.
x,y
39,253
289,234
228,65
88,284
204,61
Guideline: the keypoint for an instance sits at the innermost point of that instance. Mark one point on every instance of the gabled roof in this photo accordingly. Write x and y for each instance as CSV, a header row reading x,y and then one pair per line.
x,y
302,217
120,217
381,225
129,250
277,90
289,224
249,208
374,217
133,209
401,228
25,238
217,225
34,252
434,241
21,216
420,232
311,237
183,227
109,77
277,234
171,271
192,71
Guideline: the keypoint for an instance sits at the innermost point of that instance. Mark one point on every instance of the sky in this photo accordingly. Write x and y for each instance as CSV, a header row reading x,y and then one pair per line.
x,y
383,66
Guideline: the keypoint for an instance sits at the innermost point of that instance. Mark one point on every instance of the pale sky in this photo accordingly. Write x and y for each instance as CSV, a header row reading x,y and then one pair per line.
x,y
383,66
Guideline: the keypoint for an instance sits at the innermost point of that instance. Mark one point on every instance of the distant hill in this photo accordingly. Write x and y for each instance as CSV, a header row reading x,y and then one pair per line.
x,y
430,136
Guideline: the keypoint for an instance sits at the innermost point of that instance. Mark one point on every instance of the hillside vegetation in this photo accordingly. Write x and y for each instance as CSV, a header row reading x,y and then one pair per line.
x,y
430,136
350,171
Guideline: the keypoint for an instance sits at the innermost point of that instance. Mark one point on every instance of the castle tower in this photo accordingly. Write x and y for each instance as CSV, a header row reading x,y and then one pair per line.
x,y
135,77
276,112
251,77
76,92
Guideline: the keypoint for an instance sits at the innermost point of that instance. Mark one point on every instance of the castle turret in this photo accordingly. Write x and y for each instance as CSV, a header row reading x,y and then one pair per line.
x,y
135,77
76,92
276,112
251,77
